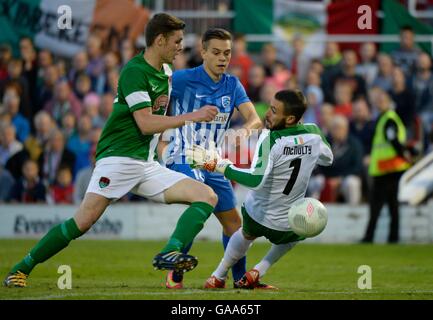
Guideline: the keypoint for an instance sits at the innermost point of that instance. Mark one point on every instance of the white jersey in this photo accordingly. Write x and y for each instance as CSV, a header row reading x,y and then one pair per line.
x,y
280,172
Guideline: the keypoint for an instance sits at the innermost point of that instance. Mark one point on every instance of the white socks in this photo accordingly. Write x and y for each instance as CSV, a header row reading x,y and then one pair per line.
x,y
273,255
236,249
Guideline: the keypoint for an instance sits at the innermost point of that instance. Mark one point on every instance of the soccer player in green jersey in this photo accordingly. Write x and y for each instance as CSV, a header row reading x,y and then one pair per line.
x,y
285,157
126,157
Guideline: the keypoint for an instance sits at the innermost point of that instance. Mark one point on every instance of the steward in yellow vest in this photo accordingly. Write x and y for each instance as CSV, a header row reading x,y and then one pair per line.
x,y
388,160
387,151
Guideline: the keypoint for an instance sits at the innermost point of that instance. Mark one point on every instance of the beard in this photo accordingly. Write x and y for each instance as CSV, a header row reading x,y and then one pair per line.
x,y
277,126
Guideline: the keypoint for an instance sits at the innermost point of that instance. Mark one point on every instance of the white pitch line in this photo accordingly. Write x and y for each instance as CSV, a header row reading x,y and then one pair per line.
x,y
191,292
146,293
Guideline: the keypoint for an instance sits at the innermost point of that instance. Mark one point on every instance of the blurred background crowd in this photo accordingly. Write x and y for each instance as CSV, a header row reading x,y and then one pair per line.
x,y
52,109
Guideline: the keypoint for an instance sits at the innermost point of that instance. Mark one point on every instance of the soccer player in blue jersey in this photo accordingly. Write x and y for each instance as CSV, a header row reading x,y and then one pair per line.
x,y
208,84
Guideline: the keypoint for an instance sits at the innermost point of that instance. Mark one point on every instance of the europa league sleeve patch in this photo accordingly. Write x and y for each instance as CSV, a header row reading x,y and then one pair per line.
x,y
104,182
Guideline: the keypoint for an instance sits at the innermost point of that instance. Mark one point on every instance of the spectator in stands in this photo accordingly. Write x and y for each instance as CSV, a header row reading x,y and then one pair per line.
x,y
331,65
61,68
299,60
368,67
256,80
343,176
113,80
5,57
79,65
15,75
111,63
347,73
269,59
54,157
105,109
389,159
325,118
241,58
68,125
383,79
332,55
362,128
91,105
407,54
64,101
83,177
195,58
362,125
422,85
95,67
7,182
315,98
282,78
9,145
80,143
343,99
62,190
28,189
179,61
403,98
46,91
35,144
267,92
45,59
127,51
11,103
30,65
83,86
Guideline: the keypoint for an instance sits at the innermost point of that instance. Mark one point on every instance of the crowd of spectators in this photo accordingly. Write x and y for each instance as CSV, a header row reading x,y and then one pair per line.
x,y
52,109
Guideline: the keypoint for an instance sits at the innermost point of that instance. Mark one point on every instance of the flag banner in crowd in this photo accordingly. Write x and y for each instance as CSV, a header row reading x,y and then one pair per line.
x,y
300,17
316,19
46,21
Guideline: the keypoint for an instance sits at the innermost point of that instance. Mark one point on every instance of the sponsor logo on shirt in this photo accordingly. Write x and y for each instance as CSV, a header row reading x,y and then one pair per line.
x,y
221,118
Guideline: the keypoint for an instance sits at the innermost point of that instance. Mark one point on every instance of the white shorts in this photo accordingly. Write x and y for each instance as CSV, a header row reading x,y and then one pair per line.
x,y
113,177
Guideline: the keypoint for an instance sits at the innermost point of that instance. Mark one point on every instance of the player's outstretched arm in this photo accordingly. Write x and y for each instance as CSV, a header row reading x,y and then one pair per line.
x,y
151,123
252,178
250,116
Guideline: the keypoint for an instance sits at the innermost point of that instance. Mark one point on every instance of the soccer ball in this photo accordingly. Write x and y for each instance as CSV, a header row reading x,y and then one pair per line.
x,y
307,217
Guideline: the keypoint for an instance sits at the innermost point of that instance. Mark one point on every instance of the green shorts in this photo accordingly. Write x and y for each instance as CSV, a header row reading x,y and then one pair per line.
x,y
255,229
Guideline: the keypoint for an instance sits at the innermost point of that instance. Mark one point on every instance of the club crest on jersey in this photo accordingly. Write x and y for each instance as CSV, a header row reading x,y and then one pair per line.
x,y
104,182
225,101
160,102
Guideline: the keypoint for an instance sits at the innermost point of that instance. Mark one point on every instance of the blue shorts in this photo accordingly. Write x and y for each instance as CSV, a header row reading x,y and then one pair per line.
x,y
220,185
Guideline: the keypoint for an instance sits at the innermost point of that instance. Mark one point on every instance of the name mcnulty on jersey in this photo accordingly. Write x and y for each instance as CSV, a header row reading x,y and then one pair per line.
x,y
297,150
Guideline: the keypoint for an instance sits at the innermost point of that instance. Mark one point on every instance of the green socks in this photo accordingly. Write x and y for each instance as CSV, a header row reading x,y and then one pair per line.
x,y
54,241
188,226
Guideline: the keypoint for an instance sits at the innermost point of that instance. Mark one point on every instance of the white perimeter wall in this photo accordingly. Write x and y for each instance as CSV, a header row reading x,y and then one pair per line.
x,y
346,224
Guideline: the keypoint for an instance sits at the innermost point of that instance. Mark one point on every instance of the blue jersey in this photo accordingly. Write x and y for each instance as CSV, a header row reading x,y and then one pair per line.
x,y
192,89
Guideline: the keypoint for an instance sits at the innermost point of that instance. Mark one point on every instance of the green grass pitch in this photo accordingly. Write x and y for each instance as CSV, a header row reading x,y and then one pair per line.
x,y
122,270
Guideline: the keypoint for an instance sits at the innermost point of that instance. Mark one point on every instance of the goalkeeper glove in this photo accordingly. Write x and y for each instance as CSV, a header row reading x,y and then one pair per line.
x,y
210,160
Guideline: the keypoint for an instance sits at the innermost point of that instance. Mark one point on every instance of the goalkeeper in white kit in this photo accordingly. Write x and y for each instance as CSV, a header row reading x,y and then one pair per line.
x,y
285,156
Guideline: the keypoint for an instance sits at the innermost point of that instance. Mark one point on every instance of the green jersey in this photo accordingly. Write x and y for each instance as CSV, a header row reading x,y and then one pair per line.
x,y
280,172
140,86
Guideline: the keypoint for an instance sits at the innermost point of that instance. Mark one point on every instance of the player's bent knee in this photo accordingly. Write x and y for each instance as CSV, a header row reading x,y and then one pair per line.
x,y
207,195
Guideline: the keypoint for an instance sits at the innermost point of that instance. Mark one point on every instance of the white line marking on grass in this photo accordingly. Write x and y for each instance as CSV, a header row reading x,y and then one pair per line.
x,y
192,292
144,293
